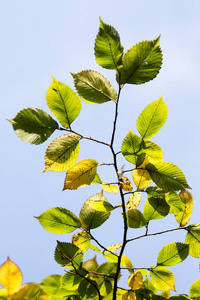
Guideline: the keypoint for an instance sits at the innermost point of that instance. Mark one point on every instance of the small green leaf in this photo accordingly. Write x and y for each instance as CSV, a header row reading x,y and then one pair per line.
x,y
195,289
162,278
94,87
100,205
63,102
172,254
187,201
65,253
167,176
131,147
62,153
80,174
105,288
108,49
155,208
82,240
135,218
193,239
97,179
141,63
33,125
152,119
59,220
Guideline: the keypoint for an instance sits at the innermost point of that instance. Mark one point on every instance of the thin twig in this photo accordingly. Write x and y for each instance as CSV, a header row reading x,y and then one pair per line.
x,y
100,245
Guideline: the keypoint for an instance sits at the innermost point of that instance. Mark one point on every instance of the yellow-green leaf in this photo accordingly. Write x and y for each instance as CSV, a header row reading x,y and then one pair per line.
x,y
135,280
100,205
10,277
135,218
195,289
80,174
62,153
91,264
193,239
110,188
162,278
141,178
82,240
172,254
187,201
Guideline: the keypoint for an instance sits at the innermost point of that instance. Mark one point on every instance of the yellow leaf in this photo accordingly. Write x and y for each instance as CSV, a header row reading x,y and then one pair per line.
x,y
80,174
141,178
187,200
91,264
134,200
125,184
113,248
30,291
125,262
10,276
110,188
82,240
129,296
135,280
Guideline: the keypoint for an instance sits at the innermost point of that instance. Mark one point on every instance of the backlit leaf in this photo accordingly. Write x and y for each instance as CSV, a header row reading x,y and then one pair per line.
x,y
62,153
172,254
105,288
162,278
113,248
108,49
167,176
52,285
91,264
195,289
110,188
100,205
152,119
97,179
80,174
71,281
63,102
135,218
176,206
94,87
59,220
82,240
10,277
141,178
153,152
187,201
126,184
65,253
30,291
33,125
135,280
134,200
155,208
141,63
193,239
131,146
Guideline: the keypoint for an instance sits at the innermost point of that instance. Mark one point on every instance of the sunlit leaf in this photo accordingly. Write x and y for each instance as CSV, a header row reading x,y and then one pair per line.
x,y
110,188
131,146
193,239
134,200
33,125
152,119
10,276
126,184
108,49
130,295
187,201
135,280
30,291
176,206
113,248
155,208
147,284
65,253
97,179
62,153
91,264
141,178
172,254
95,248
53,285
135,218
71,281
162,278
141,63
167,176
105,288
82,240
152,151
63,102
59,220
80,174
94,87
100,205
195,289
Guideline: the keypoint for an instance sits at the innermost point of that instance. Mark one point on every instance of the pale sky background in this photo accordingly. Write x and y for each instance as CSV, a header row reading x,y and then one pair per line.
x,y
40,38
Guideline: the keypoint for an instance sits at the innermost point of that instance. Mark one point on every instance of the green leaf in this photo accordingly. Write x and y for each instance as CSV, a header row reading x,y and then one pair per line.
x,y
100,205
59,220
105,288
108,269
91,218
195,289
80,174
108,49
29,291
95,248
97,179
152,151
52,286
135,218
152,119
71,281
162,278
167,176
176,206
155,208
33,125
193,239
65,253
62,153
131,146
63,102
172,254
141,63
187,201
147,284
82,240
94,87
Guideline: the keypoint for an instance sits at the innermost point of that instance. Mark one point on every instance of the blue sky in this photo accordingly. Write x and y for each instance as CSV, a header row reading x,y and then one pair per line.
x,y
44,38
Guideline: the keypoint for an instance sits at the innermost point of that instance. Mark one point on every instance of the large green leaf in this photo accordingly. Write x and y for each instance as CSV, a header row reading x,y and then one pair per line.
x,y
68,254
152,119
91,218
131,147
172,254
108,49
63,102
59,220
62,153
33,125
193,239
162,278
176,206
94,87
167,176
99,203
135,218
155,208
195,289
152,151
52,285
141,63
80,174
